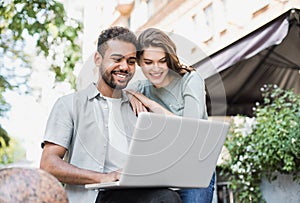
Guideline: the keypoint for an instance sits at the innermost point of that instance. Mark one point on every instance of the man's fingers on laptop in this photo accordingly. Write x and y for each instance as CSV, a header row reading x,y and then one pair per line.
x,y
110,177
115,175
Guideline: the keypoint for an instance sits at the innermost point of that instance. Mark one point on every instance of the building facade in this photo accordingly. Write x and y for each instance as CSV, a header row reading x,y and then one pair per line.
x,y
208,25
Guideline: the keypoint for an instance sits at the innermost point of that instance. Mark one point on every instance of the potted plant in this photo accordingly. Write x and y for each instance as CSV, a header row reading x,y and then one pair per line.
x,y
265,145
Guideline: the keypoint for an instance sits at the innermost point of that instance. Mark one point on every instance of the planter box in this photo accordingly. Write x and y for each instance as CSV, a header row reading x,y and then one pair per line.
x,y
282,190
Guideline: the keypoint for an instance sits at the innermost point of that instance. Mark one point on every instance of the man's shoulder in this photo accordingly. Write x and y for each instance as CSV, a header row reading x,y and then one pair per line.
x,y
79,95
66,98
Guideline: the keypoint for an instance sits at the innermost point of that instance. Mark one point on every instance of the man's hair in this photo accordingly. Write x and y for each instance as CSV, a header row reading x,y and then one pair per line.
x,y
115,33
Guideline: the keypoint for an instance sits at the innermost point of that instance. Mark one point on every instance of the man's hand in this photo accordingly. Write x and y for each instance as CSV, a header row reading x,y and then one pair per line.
x,y
111,177
52,162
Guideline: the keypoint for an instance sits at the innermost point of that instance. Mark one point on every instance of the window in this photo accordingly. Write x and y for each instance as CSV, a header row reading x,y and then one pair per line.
x,y
208,12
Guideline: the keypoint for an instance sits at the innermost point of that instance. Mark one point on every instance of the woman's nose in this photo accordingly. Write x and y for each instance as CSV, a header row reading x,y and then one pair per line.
x,y
155,66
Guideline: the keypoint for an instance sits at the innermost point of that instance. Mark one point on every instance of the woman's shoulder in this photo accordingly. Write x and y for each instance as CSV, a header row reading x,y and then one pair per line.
x,y
192,76
138,85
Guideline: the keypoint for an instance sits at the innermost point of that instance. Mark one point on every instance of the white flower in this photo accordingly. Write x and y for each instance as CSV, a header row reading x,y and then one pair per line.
x,y
235,167
238,120
241,158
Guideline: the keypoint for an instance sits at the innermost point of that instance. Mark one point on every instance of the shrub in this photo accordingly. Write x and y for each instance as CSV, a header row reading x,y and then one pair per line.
x,y
267,143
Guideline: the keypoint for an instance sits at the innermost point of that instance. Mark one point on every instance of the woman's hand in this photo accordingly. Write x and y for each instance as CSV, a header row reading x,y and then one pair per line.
x,y
146,103
136,104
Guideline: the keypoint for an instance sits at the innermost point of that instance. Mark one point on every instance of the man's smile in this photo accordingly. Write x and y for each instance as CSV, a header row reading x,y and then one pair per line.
x,y
120,74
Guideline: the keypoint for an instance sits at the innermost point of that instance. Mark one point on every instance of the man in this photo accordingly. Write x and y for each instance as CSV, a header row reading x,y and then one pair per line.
x,y
91,128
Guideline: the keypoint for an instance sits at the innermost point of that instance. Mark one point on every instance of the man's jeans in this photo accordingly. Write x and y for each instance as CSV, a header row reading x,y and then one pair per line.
x,y
138,196
198,195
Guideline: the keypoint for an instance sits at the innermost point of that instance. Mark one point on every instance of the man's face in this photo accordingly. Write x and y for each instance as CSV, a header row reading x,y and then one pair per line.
x,y
117,66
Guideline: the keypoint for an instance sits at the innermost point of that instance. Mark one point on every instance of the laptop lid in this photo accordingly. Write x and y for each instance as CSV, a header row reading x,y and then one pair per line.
x,y
171,151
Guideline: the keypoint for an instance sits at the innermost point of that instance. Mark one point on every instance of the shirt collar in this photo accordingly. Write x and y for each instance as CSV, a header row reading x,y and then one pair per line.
x,y
93,92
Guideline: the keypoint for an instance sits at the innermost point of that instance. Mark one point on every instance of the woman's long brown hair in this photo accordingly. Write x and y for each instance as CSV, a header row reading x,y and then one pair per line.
x,y
153,37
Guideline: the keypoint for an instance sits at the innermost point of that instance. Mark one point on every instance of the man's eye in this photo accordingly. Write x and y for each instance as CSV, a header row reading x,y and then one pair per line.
x,y
117,60
131,61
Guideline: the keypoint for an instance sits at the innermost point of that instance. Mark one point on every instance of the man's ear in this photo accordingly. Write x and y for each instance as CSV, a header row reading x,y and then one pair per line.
x,y
97,58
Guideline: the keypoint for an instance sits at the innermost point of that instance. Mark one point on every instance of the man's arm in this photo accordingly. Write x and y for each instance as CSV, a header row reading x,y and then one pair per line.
x,y
52,162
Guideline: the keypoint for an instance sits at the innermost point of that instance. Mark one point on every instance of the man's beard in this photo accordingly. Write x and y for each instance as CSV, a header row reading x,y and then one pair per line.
x,y
110,81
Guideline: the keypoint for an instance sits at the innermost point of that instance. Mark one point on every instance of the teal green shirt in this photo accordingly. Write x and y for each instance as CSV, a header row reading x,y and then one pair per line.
x,y
183,96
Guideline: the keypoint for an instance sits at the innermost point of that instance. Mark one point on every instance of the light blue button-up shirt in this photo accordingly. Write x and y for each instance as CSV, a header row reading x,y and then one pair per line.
x,y
79,122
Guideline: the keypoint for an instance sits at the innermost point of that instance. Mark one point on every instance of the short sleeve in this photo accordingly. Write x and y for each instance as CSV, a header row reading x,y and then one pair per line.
x,y
59,128
194,96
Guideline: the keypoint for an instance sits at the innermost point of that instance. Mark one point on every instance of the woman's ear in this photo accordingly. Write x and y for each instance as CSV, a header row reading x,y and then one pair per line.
x,y
97,58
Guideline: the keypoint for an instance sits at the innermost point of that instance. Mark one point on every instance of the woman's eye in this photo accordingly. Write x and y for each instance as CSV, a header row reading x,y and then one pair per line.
x,y
148,62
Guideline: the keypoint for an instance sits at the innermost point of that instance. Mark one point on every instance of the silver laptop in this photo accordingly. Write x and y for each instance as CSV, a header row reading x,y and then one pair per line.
x,y
171,151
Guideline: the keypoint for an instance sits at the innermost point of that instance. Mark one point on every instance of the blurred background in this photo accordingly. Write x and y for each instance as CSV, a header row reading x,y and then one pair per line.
x,y
46,48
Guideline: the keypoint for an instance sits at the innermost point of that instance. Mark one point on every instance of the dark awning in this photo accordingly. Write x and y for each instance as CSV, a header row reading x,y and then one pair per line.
x,y
269,55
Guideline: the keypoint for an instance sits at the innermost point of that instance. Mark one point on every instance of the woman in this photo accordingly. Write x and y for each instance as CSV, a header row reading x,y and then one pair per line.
x,y
171,88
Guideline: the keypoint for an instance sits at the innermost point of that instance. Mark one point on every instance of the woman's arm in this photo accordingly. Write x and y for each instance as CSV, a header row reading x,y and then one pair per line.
x,y
136,105
194,97
147,103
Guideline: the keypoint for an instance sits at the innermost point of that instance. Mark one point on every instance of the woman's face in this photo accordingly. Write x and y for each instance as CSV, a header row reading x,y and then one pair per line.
x,y
154,66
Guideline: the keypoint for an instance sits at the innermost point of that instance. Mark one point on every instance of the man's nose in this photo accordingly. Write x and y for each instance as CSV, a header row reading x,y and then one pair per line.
x,y
123,64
